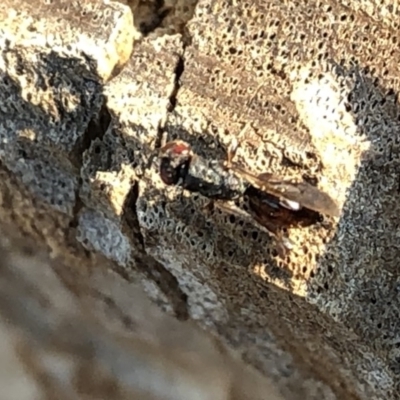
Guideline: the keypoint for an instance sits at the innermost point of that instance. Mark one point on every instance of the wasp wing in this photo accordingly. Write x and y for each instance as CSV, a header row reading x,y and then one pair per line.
x,y
306,195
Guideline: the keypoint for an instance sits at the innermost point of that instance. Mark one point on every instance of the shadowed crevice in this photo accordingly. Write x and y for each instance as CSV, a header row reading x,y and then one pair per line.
x,y
96,129
173,16
151,16
179,70
152,269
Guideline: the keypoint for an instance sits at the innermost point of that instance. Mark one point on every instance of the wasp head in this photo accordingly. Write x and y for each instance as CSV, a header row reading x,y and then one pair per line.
x,y
175,159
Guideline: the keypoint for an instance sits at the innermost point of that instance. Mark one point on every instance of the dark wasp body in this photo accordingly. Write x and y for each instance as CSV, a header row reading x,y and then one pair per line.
x,y
274,203
269,212
180,166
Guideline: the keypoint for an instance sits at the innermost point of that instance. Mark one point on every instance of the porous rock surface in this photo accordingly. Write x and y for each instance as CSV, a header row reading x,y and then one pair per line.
x,y
99,337
90,89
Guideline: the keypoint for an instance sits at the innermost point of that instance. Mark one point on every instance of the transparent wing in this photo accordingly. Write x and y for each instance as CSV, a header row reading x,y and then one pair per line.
x,y
306,195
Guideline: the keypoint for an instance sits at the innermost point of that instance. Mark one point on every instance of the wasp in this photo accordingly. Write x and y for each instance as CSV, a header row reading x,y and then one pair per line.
x,y
274,203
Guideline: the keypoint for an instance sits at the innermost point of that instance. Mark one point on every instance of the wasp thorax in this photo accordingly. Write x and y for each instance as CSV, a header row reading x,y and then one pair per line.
x,y
174,164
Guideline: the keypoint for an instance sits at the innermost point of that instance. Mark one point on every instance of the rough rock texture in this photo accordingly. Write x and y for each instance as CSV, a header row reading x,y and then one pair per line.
x,y
88,92
100,337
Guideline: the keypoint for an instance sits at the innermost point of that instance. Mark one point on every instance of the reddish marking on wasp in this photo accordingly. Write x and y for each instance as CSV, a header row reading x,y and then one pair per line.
x,y
275,203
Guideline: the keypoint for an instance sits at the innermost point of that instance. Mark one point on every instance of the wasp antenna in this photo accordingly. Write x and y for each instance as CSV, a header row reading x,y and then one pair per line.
x,y
153,154
208,207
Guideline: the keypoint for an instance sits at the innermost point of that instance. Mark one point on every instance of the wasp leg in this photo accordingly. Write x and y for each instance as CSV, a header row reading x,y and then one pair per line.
x,y
283,243
159,142
151,158
231,208
282,247
209,207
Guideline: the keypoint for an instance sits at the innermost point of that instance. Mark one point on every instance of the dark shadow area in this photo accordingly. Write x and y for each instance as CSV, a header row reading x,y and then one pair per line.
x,y
34,130
59,74
362,261
58,140
154,14
154,270
150,15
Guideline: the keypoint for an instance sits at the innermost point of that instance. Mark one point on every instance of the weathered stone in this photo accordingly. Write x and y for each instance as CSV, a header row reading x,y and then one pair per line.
x,y
52,70
96,30
106,340
313,85
299,91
